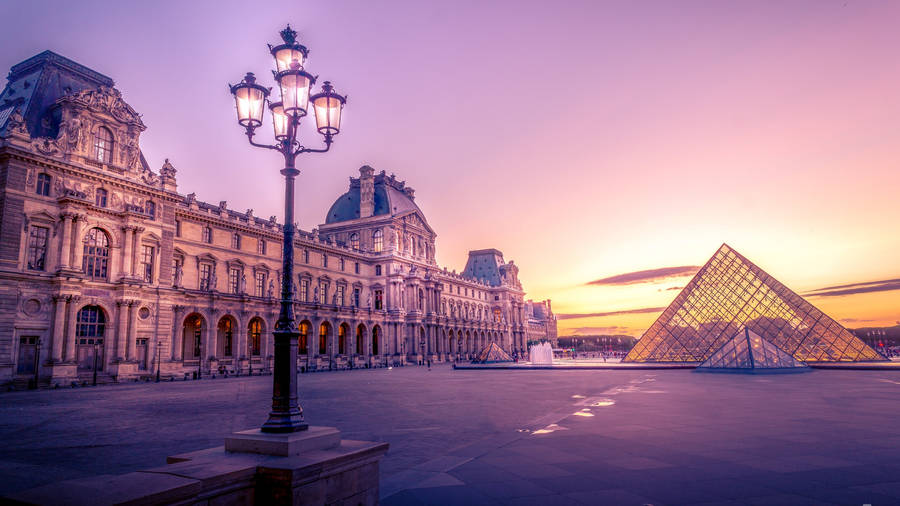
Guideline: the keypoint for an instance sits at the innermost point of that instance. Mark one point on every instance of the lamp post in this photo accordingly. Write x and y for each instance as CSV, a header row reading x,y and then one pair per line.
x,y
294,84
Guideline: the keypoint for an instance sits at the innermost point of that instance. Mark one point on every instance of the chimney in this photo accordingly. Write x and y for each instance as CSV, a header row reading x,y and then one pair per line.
x,y
366,191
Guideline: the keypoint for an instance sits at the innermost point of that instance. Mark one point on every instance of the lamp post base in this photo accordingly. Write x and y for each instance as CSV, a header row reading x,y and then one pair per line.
x,y
284,445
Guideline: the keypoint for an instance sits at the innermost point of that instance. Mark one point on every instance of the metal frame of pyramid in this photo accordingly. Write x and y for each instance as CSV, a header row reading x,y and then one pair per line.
x,y
490,354
747,352
729,293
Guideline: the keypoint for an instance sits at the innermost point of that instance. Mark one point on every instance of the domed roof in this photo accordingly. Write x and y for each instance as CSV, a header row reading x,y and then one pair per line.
x,y
390,198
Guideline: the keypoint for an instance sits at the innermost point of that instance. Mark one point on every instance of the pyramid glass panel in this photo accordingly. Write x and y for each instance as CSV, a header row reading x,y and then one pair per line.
x,y
748,352
731,293
490,354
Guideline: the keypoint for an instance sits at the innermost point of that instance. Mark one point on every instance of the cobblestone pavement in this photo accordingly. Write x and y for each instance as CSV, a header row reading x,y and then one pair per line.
x,y
509,437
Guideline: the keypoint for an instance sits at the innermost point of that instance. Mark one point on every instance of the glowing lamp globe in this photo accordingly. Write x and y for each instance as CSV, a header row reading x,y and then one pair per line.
x,y
328,106
249,100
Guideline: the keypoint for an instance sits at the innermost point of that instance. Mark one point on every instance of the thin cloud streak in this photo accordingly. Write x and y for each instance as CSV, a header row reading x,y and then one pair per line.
x,y
647,276
855,288
571,316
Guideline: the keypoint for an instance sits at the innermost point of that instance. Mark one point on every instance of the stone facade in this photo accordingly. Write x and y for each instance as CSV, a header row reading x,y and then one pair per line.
x,y
105,267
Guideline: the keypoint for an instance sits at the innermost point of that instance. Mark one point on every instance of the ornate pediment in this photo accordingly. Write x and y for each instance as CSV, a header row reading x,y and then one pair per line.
x,y
105,100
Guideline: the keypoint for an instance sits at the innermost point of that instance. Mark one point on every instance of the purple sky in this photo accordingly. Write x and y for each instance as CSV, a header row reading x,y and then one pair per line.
x,y
584,139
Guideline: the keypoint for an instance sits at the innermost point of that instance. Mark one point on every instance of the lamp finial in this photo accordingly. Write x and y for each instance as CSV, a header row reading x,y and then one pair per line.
x,y
288,35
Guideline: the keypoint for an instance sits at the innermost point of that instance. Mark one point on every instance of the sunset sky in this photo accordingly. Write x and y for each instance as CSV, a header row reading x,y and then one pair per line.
x,y
585,140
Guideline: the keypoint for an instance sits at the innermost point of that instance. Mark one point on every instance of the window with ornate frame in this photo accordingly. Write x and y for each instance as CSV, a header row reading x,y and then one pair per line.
x,y
100,197
103,145
354,241
147,259
96,254
304,290
207,235
260,283
339,295
236,241
37,247
43,184
150,209
234,280
261,246
356,292
205,276
378,241
255,337
379,299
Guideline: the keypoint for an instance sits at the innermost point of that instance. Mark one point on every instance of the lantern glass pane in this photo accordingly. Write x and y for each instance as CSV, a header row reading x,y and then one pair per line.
x,y
249,102
280,122
294,93
284,58
328,114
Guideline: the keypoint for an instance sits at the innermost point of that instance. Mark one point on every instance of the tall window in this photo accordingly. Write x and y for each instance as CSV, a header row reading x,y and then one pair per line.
x,y
323,338
177,228
303,339
43,185
356,267
340,295
342,264
103,145
37,248
261,246
96,254
379,299
147,263
150,209
306,256
421,304
378,241
255,337
324,260
354,240
356,297
228,334
260,284
304,290
236,241
205,276
207,235
323,292
100,198
234,280
378,270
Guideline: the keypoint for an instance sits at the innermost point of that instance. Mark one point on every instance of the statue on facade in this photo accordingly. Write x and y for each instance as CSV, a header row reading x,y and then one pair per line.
x,y
334,299
179,272
243,283
271,291
212,280
316,295
369,300
69,134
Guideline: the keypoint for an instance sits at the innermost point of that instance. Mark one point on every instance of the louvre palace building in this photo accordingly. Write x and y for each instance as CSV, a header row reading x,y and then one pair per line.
x,y
107,269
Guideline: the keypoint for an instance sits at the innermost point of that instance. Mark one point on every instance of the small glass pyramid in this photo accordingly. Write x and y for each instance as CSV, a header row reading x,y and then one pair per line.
x,y
490,354
730,293
750,353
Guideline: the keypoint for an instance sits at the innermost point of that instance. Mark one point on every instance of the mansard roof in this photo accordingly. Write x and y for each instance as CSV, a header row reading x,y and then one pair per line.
x,y
392,197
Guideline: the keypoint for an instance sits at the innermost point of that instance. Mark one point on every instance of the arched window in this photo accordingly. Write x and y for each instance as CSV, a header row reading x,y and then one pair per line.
x,y
43,185
103,145
376,335
96,254
323,337
226,336
378,241
360,336
354,240
255,336
91,323
304,338
342,339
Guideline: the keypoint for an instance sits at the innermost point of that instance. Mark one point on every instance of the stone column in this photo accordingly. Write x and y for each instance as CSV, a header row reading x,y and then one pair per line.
x,y
132,329
177,333
78,253
126,250
59,327
136,251
73,325
122,321
65,250
241,350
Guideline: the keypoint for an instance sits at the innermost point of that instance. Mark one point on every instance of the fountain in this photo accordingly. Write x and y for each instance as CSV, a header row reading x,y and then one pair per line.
x,y
541,354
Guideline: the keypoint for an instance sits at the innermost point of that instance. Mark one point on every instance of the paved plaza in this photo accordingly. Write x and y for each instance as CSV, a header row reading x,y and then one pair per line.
x,y
508,437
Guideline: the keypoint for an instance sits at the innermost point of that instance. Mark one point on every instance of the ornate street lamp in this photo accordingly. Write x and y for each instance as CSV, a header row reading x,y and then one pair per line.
x,y
250,98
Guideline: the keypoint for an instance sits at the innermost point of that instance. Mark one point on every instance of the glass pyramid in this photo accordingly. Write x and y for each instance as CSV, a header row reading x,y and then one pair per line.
x,y
730,293
490,354
748,352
